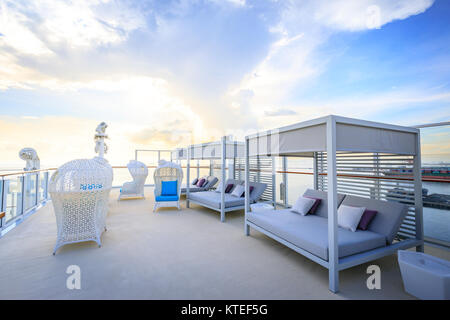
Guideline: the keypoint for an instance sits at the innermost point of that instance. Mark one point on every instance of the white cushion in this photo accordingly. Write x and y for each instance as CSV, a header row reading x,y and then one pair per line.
x,y
219,188
303,205
238,191
349,217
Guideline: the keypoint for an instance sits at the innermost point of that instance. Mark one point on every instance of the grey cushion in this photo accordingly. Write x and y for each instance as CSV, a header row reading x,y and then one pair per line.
x,y
212,199
192,188
211,182
388,219
322,210
234,183
311,233
258,190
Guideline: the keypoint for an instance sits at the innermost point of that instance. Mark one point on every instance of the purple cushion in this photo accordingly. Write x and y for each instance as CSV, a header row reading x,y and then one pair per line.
x,y
229,187
315,205
250,188
194,181
201,183
366,218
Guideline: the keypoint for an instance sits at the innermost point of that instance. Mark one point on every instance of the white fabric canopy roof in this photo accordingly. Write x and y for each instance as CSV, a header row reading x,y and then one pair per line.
x,y
352,135
213,150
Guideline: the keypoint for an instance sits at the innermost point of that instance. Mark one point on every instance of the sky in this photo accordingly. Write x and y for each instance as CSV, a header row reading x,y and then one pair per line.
x,y
164,74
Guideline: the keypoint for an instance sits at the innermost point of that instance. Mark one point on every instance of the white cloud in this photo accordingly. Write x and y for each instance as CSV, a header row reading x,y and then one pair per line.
x,y
36,27
364,14
74,47
304,26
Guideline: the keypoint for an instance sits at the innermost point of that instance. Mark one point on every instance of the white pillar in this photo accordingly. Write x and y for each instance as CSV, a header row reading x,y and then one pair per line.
x,y
285,182
247,185
188,178
198,169
222,194
418,200
274,183
315,173
333,253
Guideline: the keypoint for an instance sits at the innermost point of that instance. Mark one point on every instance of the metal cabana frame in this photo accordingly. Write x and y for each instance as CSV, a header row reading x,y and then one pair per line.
x,y
223,150
328,140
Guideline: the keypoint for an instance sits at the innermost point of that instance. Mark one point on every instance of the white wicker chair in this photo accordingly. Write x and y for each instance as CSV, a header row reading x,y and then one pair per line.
x,y
80,192
135,188
167,171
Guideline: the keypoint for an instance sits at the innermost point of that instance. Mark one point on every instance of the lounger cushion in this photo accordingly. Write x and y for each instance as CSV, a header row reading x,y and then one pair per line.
x,y
169,188
258,190
166,198
322,209
389,215
238,191
211,182
212,199
349,217
201,182
192,189
234,183
310,233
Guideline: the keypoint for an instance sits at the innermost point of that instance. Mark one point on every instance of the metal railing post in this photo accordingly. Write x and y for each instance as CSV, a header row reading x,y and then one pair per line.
x,y
22,210
46,186
2,204
36,197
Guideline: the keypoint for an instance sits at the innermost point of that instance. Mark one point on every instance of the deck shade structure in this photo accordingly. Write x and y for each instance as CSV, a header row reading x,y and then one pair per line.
x,y
179,154
352,157
222,150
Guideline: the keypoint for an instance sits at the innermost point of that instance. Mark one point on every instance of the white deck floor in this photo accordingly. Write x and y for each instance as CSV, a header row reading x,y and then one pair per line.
x,y
187,254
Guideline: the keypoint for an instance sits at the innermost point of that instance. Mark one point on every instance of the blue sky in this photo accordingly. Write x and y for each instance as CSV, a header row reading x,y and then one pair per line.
x,y
167,73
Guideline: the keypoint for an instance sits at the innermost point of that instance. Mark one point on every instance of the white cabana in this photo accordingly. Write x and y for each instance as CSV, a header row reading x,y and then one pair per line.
x,y
223,150
134,189
352,157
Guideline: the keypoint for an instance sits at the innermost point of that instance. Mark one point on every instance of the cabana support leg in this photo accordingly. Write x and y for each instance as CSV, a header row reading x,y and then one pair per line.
x,y
188,178
333,253
222,194
418,200
247,186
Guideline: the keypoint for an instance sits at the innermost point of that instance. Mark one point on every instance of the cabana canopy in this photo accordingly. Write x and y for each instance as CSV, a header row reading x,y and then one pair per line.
x,y
213,150
223,150
350,135
347,145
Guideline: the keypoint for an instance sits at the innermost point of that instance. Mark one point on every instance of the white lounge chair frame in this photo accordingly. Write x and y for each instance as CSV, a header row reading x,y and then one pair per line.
x,y
333,134
80,191
167,171
135,189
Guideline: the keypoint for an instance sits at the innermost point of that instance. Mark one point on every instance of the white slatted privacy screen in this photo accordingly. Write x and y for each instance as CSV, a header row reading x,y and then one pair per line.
x,y
385,177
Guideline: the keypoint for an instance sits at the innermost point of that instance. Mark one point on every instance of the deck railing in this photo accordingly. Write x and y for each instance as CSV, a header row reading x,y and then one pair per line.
x,y
21,194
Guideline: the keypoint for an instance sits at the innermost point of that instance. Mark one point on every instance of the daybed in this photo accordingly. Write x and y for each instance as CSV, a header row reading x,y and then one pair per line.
x,y
351,156
211,181
310,232
212,199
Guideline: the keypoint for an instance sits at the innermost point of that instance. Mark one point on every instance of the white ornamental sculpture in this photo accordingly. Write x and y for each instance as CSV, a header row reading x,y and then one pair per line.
x,y
31,158
100,146
80,193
